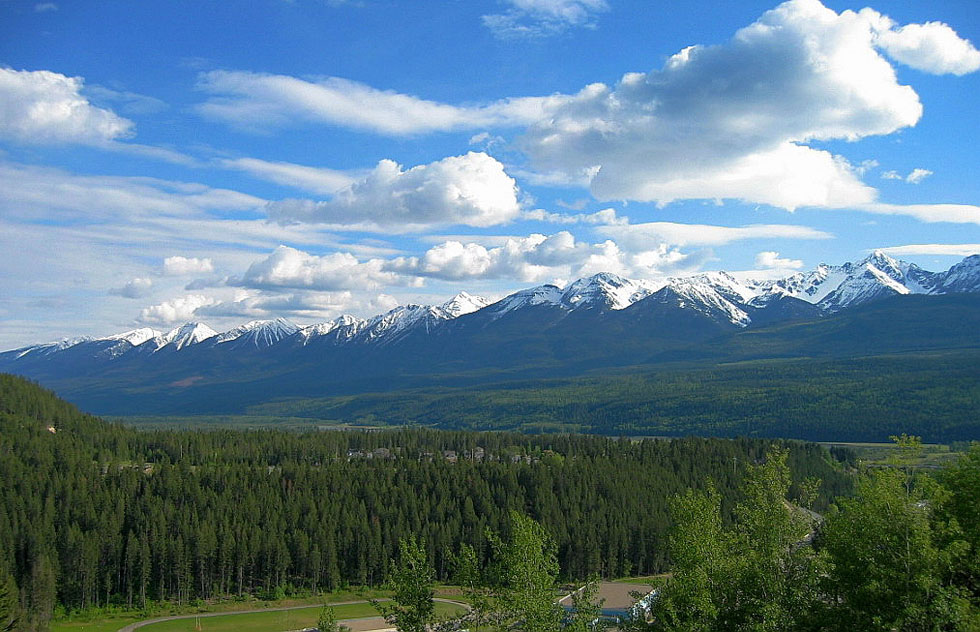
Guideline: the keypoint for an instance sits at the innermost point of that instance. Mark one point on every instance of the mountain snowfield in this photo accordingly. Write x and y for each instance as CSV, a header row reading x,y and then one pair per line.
x,y
717,295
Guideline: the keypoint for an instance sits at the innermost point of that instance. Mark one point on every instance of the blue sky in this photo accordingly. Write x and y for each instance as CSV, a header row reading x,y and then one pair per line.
x,y
227,161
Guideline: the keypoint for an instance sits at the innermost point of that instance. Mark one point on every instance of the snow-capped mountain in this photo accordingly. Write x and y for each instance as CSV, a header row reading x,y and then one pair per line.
x,y
605,291
341,328
544,331
258,333
720,297
400,321
962,277
179,337
834,288
463,303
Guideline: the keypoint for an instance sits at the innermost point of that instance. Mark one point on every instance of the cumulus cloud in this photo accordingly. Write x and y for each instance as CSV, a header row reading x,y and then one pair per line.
x,y
932,47
250,99
181,266
535,18
291,268
771,259
313,179
540,257
956,250
136,288
46,107
891,174
641,236
733,120
472,190
180,309
311,305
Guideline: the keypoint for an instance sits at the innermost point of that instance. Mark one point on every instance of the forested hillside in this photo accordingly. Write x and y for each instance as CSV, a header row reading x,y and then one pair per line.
x,y
93,513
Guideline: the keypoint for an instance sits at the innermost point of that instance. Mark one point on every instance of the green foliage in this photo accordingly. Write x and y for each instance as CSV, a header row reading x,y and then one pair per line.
x,y
962,508
754,575
934,395
9,609
327,620
529,577
890,568
410,581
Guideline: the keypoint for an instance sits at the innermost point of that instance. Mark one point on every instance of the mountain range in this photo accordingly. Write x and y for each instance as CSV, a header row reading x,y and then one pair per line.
x,y
595,323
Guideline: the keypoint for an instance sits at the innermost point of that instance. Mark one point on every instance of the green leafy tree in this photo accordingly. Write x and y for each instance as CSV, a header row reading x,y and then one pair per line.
x,y
963,506
412,608
474,583
757,575
891,557
528,575
327,620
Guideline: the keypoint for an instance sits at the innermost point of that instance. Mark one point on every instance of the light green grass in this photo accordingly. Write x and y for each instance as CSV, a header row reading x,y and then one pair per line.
x,y
101,625
275,621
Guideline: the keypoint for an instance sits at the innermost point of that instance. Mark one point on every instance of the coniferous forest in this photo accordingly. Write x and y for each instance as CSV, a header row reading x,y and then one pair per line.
x,y
96,514
93,513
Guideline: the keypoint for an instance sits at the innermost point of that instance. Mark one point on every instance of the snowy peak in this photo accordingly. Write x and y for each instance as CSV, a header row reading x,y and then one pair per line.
x,y
463,303
605,290
703,296
877,276
540,295
962,277
342,328
182,337
397,322
259,333
135,337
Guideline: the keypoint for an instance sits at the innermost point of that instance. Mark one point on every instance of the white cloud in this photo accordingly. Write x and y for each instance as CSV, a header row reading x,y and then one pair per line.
x,y
954,250
177,310
26,190
535,18
931,47
606,216
472,190
135,288
44,7
917,175
866,166
730,121
249,100
539,257
47,107
642,236
291,268
955,213
313,179
771,259
182,266
309,305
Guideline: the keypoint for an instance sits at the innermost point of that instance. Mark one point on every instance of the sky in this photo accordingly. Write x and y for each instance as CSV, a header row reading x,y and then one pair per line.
x,y
225,161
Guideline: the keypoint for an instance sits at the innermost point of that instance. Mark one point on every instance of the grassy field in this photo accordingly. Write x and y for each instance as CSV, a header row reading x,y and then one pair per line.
x,y
273,621
931,456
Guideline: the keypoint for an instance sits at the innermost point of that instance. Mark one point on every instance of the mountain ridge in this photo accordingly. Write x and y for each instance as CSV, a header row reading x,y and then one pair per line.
x,y
593,324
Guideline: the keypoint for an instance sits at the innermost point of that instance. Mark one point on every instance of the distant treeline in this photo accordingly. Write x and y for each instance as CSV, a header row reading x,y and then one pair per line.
x,y
93,513
934,395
